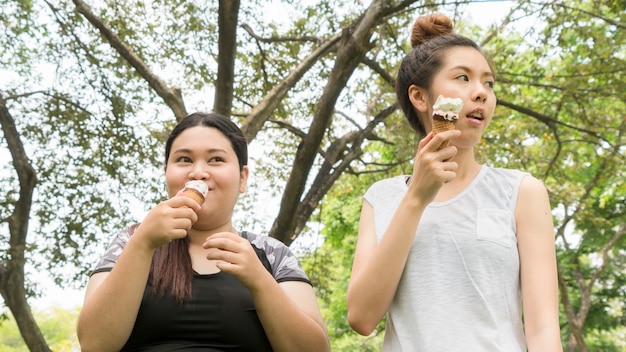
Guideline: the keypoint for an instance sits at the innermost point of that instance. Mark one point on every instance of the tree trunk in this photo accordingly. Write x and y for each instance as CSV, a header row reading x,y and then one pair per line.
x,y
352,47
12,270
12,291
227,43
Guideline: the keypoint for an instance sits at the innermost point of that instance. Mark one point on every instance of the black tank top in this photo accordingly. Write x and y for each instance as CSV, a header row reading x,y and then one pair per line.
x,y
220,316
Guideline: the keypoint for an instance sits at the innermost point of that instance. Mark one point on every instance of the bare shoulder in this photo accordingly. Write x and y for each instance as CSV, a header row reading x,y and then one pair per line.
x,y
532,192
533,213
531,184
533,200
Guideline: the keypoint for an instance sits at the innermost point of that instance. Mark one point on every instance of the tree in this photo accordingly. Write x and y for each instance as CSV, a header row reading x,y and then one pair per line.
x,y
92,87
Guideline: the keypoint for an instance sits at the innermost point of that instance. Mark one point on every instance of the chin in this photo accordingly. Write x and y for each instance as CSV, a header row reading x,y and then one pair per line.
x,y
464,145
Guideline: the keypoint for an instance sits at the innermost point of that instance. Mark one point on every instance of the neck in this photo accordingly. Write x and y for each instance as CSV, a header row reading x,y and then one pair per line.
x,y
468,166
197,236
466,172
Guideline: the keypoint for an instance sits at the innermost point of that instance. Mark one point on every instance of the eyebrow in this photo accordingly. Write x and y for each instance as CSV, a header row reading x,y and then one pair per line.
x,y
467,69
189,151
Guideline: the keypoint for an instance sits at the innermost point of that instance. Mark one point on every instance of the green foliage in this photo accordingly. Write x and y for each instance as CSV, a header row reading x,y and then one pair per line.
x,y
329,266
58,326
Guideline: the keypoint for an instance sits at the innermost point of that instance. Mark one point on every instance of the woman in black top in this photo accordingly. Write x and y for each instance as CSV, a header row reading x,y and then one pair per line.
x,y
186,280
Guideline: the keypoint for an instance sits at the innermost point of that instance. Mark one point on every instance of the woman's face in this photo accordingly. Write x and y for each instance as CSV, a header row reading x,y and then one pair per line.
x,y
465,74
205,153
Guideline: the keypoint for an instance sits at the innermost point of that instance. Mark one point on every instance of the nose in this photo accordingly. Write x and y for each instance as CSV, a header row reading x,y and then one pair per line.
x,y
199,171
480,94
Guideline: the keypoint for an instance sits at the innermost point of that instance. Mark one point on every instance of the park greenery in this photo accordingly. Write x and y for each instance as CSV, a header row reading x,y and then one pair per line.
x,y
89,90
58,326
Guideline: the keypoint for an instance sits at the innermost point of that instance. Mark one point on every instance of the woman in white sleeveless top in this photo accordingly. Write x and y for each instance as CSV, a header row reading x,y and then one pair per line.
x,y
452,252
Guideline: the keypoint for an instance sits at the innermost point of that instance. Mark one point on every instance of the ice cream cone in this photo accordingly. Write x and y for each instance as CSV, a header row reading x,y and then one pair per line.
x,y
445,115
196,190
193,194
440,126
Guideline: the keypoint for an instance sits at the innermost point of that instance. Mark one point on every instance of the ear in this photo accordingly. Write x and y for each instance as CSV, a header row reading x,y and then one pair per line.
x,y
418,98
243,179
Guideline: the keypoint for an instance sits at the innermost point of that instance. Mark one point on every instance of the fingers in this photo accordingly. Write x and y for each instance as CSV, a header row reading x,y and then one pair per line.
x,y
169,217
425,141
227,242
179,202
169,220
178,212
438,165
433,167
448,171
233,254
432,142
429,151
182,223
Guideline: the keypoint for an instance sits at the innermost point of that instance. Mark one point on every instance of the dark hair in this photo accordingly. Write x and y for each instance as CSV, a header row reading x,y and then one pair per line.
x,y
222,123
431,37
171,268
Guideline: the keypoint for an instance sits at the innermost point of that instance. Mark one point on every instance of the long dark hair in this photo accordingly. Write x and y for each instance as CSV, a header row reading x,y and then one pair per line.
x,y
431,37
171,269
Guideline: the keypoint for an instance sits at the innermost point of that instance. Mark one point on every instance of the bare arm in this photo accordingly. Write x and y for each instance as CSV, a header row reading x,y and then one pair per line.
x,y
538,269
112,299
377,268
291,317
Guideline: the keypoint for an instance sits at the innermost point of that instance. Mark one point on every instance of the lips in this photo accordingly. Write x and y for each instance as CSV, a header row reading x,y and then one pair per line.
x,y
475,116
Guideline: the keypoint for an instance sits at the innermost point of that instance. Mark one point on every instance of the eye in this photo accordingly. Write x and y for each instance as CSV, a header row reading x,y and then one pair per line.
x,y
216,159
183,159
490,84
463,78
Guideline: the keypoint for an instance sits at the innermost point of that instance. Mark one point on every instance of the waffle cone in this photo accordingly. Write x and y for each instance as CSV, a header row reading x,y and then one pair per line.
x,y
193,194
440,126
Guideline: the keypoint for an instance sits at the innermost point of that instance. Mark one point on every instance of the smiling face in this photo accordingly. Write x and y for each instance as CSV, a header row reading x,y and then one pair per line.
x,y
465,74
205,153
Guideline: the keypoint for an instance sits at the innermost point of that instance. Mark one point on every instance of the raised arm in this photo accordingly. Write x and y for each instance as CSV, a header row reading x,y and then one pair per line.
x,y
538,268
377,268
112,299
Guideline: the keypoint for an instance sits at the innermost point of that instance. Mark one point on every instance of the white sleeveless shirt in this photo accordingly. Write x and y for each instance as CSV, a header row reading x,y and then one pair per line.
x,y
460,288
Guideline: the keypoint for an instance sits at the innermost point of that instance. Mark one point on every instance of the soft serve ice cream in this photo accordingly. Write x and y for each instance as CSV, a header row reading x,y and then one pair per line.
x,y
445,115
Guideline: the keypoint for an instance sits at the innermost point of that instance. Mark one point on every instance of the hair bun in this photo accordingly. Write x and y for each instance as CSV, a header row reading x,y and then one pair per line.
x,y
428,27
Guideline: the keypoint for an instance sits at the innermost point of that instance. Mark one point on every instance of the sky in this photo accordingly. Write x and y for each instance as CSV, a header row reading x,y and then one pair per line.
x,y
480,13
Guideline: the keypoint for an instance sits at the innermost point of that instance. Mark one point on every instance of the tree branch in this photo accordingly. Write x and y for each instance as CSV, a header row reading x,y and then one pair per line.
x,y
27,180
337,158
549,121
280,39
261,112
172,97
